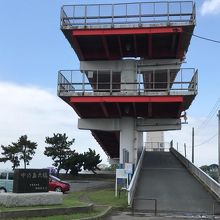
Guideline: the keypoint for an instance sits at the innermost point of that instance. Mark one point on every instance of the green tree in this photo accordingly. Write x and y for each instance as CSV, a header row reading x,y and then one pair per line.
x,y
10,153
73,163
91,160
24,150
58,150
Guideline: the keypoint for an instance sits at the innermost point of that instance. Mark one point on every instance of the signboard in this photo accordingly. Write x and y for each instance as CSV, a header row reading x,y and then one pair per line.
x,y
30,180
121,174
129,168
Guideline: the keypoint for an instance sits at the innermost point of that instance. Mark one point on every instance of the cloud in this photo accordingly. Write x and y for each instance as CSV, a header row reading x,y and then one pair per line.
x,y
39,113
210,7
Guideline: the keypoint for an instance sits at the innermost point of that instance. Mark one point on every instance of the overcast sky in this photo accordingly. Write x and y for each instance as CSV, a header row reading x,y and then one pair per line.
x,y
33,49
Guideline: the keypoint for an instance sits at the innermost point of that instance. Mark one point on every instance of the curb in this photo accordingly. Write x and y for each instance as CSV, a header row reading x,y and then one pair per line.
x,y
45,212
99,216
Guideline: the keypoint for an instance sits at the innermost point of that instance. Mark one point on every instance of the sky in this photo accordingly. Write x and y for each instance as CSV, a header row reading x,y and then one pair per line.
x,y
33,49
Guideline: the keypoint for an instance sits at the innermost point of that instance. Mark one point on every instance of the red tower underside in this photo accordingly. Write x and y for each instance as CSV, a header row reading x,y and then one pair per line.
x,y
114,44
129,106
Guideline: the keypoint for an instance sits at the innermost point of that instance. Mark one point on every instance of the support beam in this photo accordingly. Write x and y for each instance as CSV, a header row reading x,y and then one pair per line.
x,y
127,99
99,124
105,44
126,31
77,48
144,125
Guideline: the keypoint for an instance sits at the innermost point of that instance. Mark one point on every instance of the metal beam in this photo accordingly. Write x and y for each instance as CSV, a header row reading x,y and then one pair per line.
x,y
99,124
123,99
126,31
144,125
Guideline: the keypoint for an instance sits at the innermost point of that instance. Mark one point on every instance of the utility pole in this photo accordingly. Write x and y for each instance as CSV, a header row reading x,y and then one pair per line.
x,y
185,149
218,145
192,145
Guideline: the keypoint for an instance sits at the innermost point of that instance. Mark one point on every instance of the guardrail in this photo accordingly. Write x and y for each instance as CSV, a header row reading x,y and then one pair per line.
x,y
124,14
132,186
157,146
210,183
87,82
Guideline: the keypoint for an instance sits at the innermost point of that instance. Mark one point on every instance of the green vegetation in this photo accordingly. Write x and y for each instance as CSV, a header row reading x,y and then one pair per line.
x,y
211,170
97,197
107,197
21,150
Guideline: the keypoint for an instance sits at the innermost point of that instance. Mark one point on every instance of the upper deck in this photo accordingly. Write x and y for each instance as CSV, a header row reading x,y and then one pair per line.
x,y
149,30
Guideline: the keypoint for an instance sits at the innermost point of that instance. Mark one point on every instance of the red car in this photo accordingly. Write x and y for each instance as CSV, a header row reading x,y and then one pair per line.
x,y
56,184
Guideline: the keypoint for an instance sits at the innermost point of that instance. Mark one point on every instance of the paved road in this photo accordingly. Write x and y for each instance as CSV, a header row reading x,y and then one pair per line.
x,y
128,216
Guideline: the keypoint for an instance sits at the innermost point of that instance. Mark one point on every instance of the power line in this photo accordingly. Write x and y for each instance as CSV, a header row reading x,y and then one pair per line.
x,y
210,115
205,38
206,141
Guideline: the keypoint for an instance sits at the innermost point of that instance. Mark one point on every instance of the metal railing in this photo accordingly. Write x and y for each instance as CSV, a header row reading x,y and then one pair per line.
x,y
132,186
209,182
107,82
126,14
157,146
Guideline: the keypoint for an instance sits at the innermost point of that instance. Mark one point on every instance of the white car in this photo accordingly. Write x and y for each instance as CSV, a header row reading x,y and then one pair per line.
x,y
6,181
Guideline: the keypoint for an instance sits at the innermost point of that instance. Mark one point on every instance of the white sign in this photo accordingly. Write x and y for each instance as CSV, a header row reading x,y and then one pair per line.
x,y
129,168
121,174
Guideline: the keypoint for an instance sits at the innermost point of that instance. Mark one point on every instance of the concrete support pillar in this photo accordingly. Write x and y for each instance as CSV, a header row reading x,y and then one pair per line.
x,y
139,146
127,139
129,75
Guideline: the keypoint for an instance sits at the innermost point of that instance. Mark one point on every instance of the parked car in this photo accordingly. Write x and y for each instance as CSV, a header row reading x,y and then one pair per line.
x,y
56,184
6,181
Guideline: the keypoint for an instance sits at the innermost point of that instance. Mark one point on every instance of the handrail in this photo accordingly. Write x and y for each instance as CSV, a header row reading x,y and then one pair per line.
x,y
175,82
132,185
209,182
137,13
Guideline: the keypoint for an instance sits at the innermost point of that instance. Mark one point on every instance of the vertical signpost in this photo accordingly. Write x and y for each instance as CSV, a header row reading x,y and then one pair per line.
x,y
192,145
218,145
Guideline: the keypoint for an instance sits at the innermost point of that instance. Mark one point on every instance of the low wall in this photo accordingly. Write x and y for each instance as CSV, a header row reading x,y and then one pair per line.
x,y
210,183
30,199
45,212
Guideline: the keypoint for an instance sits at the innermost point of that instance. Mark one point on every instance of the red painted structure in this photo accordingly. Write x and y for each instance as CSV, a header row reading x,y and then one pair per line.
x,y
165,40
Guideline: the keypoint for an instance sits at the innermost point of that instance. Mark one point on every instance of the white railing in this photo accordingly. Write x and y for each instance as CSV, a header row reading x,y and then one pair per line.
x,y
132,186
87,82
209,182
124,14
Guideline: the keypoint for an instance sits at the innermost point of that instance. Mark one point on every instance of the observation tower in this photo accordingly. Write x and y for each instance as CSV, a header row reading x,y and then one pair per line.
x,y
130,78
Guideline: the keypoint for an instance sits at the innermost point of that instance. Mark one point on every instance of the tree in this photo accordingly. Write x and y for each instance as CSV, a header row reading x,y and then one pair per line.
x,y
26,149
73,163
10,153
91,160
211,170
21,150
59,149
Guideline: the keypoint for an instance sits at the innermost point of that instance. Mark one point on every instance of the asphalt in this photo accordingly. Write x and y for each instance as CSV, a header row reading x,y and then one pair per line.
x,y
164,180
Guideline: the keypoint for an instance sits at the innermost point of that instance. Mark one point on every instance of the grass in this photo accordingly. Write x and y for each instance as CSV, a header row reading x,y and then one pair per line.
x,y
99,197
107,197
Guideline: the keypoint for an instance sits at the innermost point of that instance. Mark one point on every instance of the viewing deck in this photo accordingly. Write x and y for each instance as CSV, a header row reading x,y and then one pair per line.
x,y
150,30
153,95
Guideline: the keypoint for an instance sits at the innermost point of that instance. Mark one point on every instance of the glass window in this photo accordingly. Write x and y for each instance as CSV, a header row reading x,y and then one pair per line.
x,y
10,176
3,176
